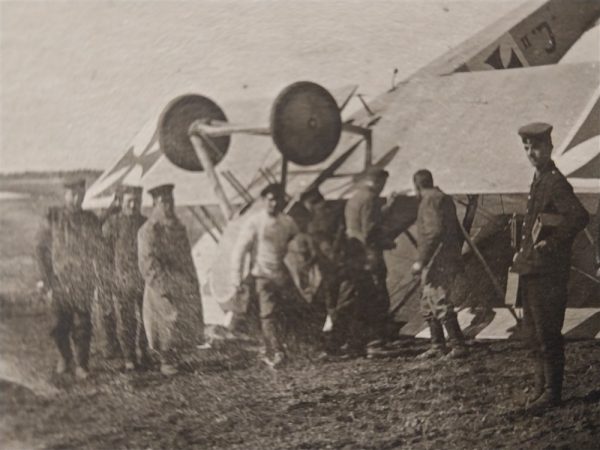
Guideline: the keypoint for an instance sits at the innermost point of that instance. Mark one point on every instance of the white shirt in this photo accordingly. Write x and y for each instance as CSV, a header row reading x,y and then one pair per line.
x,y
266,238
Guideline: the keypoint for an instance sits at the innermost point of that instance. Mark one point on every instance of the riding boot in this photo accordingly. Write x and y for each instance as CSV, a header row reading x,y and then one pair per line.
x,y
438,341
63,344
551,397
539,380
455,334
554,373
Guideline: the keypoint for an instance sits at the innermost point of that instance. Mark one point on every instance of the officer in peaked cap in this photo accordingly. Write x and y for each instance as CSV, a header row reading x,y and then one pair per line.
x,y
120,232
543,262
69,249
172,307
163,190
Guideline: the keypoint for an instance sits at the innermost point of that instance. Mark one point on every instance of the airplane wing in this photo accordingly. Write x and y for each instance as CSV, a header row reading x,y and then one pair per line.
x,y
463,128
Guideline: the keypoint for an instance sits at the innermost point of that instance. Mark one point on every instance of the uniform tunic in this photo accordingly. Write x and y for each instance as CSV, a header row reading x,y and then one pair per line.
x,y
437,226
364,217
545,272
172,308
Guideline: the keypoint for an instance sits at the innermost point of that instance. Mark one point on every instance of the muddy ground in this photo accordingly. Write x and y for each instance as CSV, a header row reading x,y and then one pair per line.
x,y
229,400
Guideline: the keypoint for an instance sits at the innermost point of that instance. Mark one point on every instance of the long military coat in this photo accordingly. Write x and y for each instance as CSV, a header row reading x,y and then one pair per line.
x,y
172,305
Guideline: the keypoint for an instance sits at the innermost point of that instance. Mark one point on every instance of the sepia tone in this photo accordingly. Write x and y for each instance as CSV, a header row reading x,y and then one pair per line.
x,y
277,224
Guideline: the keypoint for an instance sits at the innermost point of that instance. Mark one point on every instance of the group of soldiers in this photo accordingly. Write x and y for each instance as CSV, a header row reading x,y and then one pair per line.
x,y
139,268
145,267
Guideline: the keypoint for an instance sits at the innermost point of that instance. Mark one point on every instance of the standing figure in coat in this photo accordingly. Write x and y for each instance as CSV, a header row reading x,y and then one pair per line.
x,y
69,251
121,234
554,217
172,311
439,245
364,215
106,304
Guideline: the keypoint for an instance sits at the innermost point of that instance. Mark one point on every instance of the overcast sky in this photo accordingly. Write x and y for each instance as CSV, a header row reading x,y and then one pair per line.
x,y
80,78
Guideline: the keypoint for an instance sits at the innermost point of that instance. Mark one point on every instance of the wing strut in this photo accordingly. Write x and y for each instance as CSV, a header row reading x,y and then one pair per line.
x,y
206,227
488,271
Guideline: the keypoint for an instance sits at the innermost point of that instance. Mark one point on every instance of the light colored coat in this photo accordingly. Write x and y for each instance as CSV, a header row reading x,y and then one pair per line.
x,y
172,310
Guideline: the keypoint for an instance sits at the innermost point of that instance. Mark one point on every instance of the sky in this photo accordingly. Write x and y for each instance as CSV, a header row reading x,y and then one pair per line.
x,y
80,78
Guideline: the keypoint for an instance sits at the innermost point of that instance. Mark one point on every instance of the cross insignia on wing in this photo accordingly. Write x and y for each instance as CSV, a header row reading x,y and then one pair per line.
x,y
130,161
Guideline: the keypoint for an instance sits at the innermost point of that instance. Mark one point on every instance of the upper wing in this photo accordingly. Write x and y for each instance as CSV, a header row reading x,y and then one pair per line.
x,y
463,127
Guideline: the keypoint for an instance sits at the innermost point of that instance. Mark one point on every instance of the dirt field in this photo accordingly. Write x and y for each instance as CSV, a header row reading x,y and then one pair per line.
x,y
229,400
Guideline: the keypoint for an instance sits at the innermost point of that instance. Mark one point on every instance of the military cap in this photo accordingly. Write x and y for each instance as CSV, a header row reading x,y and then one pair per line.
x,y
163,189
74,183
536,131
128,189
374,173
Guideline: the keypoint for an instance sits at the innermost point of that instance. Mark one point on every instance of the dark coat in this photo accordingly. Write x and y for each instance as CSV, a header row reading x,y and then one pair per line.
x,y
120,232
437,224
550,193
70,248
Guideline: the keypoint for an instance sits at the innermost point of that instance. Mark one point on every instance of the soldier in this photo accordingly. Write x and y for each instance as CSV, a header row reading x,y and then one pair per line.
x,y
266,235
106,306
439,245
172,309
120,232
68,251
364,216
543,262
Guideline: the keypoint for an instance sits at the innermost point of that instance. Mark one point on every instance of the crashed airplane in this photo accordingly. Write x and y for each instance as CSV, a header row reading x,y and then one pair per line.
x,y
457,116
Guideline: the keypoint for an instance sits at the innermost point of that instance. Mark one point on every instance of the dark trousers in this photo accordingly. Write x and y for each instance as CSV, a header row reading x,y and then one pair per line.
x,y
544,299
348,326
108,319
71,309
376,296
130,324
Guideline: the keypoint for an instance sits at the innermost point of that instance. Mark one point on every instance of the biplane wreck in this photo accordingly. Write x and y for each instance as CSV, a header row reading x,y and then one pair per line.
x,y
457,116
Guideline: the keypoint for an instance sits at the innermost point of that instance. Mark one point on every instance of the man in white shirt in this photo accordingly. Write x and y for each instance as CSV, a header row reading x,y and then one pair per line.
x,y
265,237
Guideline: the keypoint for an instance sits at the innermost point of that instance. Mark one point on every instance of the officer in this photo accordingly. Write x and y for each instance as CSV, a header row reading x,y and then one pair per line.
x,y
544,260
120,232
364,215
439,245
69,248
172,310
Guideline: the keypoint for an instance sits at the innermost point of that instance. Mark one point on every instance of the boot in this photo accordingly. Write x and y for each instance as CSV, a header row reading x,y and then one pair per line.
x,y
539,381
455,334
168,369
551,397
458,352
81,373
432,353
65,360
276,361
62,366
438,341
